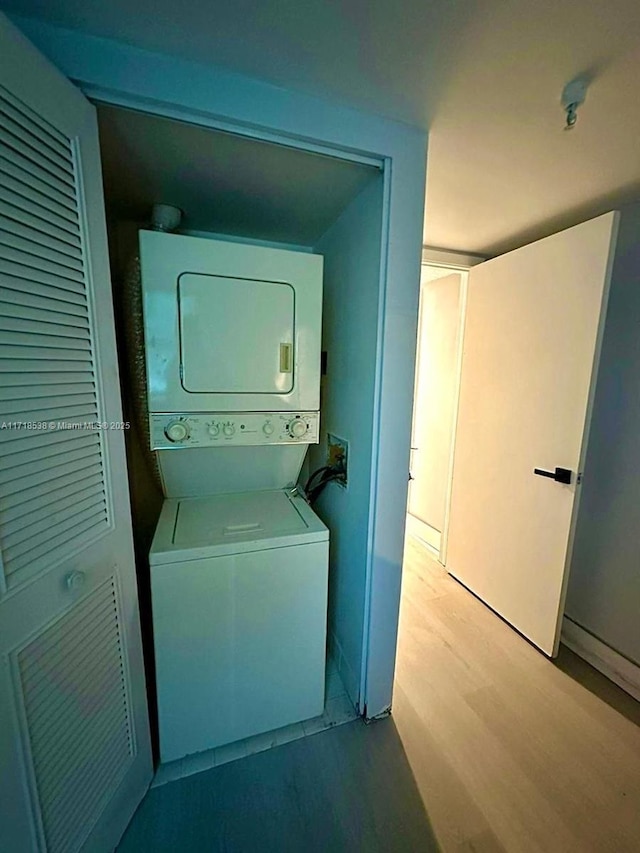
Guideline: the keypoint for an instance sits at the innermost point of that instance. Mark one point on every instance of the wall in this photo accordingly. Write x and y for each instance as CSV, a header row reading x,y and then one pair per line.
x,y
435,398
122,74
604,584
351,250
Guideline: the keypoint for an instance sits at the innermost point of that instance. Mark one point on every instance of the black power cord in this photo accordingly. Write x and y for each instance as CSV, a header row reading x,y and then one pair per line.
x,y
329,473
314,475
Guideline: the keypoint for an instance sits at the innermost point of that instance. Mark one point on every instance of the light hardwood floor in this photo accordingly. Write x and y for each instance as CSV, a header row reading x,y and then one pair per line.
x,y
510,751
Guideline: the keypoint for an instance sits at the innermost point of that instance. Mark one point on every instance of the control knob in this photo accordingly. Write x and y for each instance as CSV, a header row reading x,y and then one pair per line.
x,y
213,430
176,431
228,429
297,428
267,429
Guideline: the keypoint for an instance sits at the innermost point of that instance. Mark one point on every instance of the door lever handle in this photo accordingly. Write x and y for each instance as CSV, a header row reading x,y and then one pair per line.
x,y
560,475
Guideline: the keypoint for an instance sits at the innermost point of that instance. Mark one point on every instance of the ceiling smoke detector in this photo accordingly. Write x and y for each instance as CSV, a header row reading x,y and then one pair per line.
x,y
573,95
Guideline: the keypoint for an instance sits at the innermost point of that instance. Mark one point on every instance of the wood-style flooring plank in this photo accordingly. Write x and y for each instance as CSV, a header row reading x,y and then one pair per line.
x,y
511,752
347,789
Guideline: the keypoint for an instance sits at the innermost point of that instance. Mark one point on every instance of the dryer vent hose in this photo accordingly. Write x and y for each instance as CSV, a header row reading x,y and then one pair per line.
x,y
165,217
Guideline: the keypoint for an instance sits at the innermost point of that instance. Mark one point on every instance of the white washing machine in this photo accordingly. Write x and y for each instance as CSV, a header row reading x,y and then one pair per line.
x,y
239,586
239,562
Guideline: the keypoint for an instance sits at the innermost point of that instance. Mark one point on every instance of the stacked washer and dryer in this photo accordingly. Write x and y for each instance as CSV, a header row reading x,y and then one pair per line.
x,y
239,561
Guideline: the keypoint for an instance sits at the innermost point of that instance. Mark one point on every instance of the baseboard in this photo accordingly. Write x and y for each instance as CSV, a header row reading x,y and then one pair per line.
x,y
425,533
615,666
348,676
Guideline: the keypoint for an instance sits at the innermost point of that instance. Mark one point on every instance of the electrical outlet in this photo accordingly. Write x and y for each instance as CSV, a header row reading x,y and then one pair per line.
x,y
338,456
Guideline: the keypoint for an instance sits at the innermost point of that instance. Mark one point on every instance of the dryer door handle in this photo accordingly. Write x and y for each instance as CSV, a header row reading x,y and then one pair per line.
x,y
286,360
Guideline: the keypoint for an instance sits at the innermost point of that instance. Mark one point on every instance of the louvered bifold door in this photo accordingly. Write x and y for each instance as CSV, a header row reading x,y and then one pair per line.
x,y
52,476
74,734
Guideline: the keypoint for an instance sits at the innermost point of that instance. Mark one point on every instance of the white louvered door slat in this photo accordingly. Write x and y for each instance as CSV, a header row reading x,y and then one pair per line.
x,y
29,187
37,281
23,115
29,225
39,245
28,192
47,504
40,232
16,480
80,396
13,140
15,353
52,516
12,293
23,313
30,390
14,506
40,168
28,367
42,324
81,750
35,138
16,470
26,453
68,532
37,339
74,735
70,276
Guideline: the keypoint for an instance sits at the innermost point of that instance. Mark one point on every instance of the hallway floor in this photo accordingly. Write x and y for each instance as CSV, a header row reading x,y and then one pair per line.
x,y
510,751
491,748
348,789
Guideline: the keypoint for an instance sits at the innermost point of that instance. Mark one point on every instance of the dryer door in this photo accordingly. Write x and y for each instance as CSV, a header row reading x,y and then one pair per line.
x,y
236,335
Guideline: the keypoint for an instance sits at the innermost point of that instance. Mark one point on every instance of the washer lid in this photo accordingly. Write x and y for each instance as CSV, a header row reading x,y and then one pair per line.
x,y
192,528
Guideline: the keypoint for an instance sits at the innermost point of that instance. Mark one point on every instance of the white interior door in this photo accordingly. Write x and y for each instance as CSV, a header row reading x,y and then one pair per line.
x,y
532,333
74,736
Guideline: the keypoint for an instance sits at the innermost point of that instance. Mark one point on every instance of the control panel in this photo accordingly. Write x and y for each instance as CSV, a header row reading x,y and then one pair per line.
x,y
215,429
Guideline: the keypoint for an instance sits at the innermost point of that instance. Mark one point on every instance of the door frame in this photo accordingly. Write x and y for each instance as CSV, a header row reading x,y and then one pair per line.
x,y
126,100
461,263
113,72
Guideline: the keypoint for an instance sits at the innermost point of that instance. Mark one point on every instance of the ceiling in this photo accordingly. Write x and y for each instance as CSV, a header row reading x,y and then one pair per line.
x,y
484,75
222,182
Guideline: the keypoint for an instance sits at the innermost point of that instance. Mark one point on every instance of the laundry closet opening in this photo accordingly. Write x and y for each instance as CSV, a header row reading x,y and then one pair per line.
x,y
250,191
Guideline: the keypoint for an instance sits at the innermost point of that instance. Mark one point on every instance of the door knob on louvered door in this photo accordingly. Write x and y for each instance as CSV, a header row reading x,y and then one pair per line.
x,y
75,580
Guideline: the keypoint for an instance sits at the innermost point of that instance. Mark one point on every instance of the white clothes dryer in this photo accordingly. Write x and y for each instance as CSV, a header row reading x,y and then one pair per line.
x,y
230,327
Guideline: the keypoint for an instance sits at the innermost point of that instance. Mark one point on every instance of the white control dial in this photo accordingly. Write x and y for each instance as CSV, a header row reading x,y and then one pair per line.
x,y
213,430
176,431
228,429
297,428
267,429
